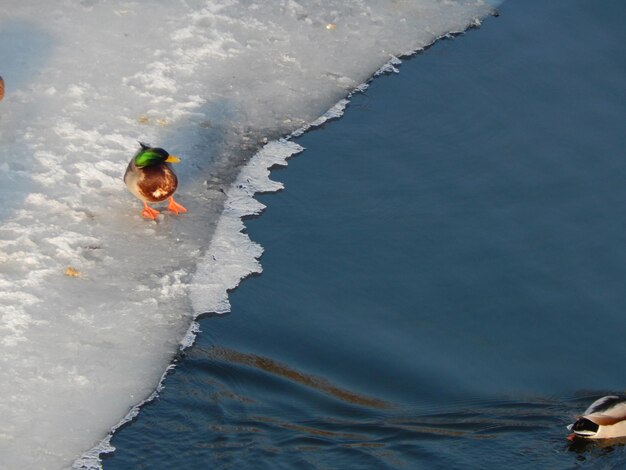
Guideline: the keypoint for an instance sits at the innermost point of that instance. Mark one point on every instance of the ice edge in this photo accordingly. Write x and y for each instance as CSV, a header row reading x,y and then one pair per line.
x,y
240,203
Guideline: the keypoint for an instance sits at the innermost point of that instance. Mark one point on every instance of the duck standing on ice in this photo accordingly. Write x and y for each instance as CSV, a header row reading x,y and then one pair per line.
x,y
604,419
150,178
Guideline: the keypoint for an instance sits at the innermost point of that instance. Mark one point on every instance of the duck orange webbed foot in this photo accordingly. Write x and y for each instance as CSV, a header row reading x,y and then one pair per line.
x,y
175,207
148,212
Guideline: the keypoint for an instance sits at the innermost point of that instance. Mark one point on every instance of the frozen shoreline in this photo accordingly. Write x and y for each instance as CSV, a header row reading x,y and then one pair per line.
x,y
233,259
79,352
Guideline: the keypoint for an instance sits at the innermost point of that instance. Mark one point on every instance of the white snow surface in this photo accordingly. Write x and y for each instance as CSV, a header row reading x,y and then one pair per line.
x,y
210,81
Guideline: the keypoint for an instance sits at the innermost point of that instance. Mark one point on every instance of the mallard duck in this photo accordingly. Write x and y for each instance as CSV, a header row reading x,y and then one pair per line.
x,y
604,419
150,178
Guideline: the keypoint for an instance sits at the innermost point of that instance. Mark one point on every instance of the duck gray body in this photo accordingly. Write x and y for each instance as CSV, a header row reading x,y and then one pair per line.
x,y
604,419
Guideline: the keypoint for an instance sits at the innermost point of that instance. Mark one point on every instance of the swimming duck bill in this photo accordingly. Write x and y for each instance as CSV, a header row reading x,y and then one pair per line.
x,y
173,159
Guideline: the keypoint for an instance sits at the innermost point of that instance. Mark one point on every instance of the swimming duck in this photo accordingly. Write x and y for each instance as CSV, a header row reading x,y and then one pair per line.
x,y
150,179
604,419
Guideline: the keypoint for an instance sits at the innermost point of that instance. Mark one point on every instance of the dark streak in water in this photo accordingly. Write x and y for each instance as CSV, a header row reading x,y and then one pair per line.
x,y
276,368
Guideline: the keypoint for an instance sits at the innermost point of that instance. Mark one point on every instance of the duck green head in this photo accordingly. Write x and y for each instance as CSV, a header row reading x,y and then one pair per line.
x,y
148,156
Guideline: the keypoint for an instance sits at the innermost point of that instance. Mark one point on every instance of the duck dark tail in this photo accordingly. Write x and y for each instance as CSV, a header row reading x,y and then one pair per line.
x,y
143,146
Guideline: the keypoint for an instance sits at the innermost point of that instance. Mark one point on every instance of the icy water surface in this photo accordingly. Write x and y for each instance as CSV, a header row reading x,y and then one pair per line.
x,y
443,274
209,80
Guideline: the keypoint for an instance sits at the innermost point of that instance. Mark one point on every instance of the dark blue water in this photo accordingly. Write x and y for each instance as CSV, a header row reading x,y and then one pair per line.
x,y
444,273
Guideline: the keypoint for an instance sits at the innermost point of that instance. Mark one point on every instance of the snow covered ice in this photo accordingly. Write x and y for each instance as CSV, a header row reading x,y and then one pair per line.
x,y
209,81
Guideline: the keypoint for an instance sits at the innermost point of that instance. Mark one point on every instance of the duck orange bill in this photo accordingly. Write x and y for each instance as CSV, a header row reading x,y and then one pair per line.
x,y
1,88
172,159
